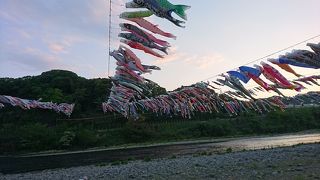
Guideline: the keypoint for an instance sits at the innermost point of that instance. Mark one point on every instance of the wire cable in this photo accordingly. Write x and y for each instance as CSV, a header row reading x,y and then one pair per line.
x,y
289,47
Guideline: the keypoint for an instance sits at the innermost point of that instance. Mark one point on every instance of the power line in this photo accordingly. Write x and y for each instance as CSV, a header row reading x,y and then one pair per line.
x,y
270,54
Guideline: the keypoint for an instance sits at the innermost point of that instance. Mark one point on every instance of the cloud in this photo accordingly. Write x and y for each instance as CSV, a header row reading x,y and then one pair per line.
x,y
39,34
205,61
24,34
63,44
76,17
57,48
32,59
174,55
6,16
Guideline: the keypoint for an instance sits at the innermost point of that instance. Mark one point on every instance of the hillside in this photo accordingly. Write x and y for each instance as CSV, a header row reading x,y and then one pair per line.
x,y
63,86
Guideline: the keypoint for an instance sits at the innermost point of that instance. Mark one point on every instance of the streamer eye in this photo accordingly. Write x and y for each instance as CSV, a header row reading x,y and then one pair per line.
x,y
139,2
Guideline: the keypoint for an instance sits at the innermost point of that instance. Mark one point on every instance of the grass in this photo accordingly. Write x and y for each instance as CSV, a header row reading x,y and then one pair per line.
x,y
173,157
229,150
299,177
30,136
147,159
116,163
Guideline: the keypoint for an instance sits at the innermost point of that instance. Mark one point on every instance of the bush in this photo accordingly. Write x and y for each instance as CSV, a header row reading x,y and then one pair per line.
x,y
210,129
30,136
85,138
36,137
111,138
137,132
67,139
9,140
248,125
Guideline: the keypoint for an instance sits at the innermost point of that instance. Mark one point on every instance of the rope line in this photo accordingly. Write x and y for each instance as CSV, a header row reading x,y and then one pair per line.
x,y
291,79
289,47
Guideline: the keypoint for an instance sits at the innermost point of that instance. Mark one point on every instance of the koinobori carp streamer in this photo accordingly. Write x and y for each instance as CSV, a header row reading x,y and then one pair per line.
x,y
130,91
64,108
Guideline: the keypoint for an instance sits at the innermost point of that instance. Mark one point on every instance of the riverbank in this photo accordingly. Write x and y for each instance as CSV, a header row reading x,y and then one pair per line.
x,y
71,135
296,162
119,155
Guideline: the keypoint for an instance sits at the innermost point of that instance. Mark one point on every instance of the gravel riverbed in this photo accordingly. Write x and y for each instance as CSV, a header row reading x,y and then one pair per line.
x,y
298,162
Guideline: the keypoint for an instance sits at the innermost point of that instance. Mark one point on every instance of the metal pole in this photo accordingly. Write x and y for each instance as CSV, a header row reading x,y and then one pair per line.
x,y
110,13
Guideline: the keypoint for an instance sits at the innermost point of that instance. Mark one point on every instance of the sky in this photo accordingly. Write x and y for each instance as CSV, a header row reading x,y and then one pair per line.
x,y
38,35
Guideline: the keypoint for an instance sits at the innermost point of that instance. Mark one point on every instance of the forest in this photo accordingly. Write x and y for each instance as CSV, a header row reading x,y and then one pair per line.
x,y
24,131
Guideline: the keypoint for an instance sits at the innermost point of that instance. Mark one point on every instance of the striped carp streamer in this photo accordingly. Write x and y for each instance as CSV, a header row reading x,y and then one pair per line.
x,y
128,84
131,92
64,108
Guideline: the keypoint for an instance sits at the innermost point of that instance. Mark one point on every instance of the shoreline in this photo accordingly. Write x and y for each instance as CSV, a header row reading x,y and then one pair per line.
x,y
25,163
167,143
302,162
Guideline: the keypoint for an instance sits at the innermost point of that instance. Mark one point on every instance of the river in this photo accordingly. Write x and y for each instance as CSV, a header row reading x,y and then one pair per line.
x,y
26,163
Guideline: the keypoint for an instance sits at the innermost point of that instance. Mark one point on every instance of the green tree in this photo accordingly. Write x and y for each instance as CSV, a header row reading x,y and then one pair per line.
x,y
52,94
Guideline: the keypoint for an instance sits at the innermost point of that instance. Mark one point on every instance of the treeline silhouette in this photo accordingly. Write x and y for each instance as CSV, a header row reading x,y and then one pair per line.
x,y
38,130
64,86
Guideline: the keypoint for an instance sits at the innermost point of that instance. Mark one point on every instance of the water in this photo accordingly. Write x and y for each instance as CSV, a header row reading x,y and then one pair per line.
x,y
26,163
267,142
